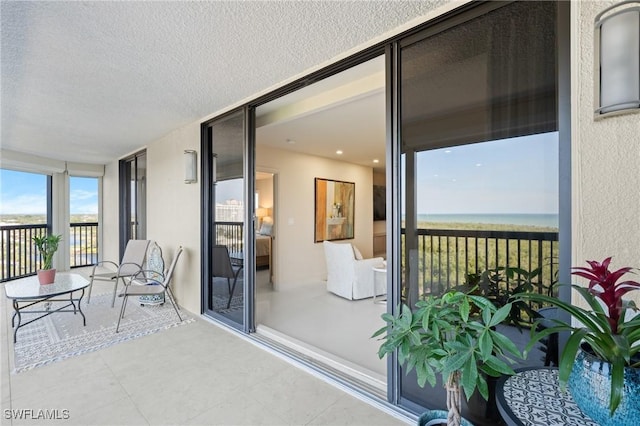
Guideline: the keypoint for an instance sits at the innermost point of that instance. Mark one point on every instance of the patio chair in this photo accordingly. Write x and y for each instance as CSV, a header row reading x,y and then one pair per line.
x,y
150,283
223,268
132,261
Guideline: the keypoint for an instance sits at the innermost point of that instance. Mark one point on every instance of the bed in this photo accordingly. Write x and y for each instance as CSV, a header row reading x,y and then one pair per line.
x,y
263,246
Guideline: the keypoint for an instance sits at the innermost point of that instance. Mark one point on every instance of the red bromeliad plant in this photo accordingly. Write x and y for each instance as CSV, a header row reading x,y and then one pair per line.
x,y
603,284
610,336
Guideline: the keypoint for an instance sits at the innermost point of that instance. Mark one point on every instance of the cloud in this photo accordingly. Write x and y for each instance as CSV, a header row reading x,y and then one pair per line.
x,y
80,194
24,204
87,208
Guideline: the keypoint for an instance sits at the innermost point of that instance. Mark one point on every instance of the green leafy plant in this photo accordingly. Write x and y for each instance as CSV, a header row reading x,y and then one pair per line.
x,y
500,284
47,245
602,326
452,336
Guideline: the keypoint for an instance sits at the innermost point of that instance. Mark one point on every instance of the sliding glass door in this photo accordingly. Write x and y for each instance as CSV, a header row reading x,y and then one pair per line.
x,y
227,256
133,199
479,172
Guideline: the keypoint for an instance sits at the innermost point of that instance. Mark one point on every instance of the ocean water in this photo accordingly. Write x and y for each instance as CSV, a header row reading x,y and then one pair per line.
x,y
546,220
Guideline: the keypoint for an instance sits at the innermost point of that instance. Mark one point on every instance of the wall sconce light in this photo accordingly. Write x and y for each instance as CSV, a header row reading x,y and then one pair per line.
x,y
190,166
617,55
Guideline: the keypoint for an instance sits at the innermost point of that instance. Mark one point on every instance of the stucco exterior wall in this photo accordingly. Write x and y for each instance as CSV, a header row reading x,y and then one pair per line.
x,y
173,208
109,241
173,211
605,160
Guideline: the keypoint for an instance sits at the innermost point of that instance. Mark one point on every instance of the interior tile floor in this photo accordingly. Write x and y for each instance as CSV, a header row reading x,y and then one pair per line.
x,y
196,374
338,329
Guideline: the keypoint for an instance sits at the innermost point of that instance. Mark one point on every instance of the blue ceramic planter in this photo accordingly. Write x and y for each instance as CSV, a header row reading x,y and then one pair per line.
x,y
590,386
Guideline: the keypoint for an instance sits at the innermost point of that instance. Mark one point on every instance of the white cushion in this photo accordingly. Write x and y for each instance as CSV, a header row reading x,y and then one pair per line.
x,y
357,253
266,229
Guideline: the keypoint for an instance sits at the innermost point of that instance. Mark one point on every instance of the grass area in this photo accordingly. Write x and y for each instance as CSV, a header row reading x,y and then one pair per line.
x,y
485,227
442,262
40,219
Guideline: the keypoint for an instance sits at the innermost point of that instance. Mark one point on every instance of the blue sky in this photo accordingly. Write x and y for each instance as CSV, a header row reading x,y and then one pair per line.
x,y
26,193
517,175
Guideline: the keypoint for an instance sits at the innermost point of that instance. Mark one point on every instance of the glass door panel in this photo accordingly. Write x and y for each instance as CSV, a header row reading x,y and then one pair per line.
x,y
479,165
133,199
224,287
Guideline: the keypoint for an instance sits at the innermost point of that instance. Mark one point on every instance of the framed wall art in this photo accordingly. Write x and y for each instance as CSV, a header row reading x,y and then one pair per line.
x,y
334,210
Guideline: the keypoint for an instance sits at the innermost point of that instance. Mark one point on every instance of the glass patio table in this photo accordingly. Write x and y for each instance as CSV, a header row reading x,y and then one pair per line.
x,y
28,292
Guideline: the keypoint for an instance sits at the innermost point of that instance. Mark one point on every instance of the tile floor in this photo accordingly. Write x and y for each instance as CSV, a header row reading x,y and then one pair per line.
x,y
332,324
197,374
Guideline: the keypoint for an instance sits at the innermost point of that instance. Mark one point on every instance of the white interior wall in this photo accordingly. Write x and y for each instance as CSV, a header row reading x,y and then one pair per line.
x,y
297,258
606,157
265,187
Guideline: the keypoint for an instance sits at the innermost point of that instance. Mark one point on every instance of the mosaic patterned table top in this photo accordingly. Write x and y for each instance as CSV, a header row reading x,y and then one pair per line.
x,y
533,397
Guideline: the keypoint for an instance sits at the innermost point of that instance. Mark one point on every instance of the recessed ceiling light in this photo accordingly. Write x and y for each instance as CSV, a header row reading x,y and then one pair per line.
x,y
448,151
478,164
375,160
339,152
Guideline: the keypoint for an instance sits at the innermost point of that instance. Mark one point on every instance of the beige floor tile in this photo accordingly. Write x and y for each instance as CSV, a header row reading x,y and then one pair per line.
x,y
173,399
235,410
123,412
76,394
197,373
52,375
295,394
351,411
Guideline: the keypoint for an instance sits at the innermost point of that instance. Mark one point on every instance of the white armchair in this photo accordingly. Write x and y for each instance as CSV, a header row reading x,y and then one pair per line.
x,y
347,276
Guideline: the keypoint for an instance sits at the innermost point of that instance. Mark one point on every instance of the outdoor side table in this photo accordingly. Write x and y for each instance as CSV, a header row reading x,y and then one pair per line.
x,y
28,292
379,274
533,397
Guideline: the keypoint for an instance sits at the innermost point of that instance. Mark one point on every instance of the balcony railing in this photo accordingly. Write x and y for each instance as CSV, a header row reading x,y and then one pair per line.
x,y
20,257
229,234
83,244
449,258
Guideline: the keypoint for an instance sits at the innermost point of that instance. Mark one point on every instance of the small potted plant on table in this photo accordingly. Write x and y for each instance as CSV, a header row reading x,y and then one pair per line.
x,y
47,245
453,336
601,359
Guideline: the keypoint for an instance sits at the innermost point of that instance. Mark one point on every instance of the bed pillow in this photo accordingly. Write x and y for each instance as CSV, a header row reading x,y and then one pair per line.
x,y
266,229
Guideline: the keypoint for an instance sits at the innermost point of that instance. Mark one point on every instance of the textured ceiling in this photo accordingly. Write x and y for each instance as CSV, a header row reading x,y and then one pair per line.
x,y
92,81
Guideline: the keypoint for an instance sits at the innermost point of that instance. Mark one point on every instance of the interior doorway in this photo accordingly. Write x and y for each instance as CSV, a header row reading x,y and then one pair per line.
x,y
265,213
334,130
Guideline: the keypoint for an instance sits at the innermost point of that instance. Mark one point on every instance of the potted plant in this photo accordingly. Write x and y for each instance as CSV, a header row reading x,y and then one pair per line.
x,y
47,245
603,346
443,337
501,284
